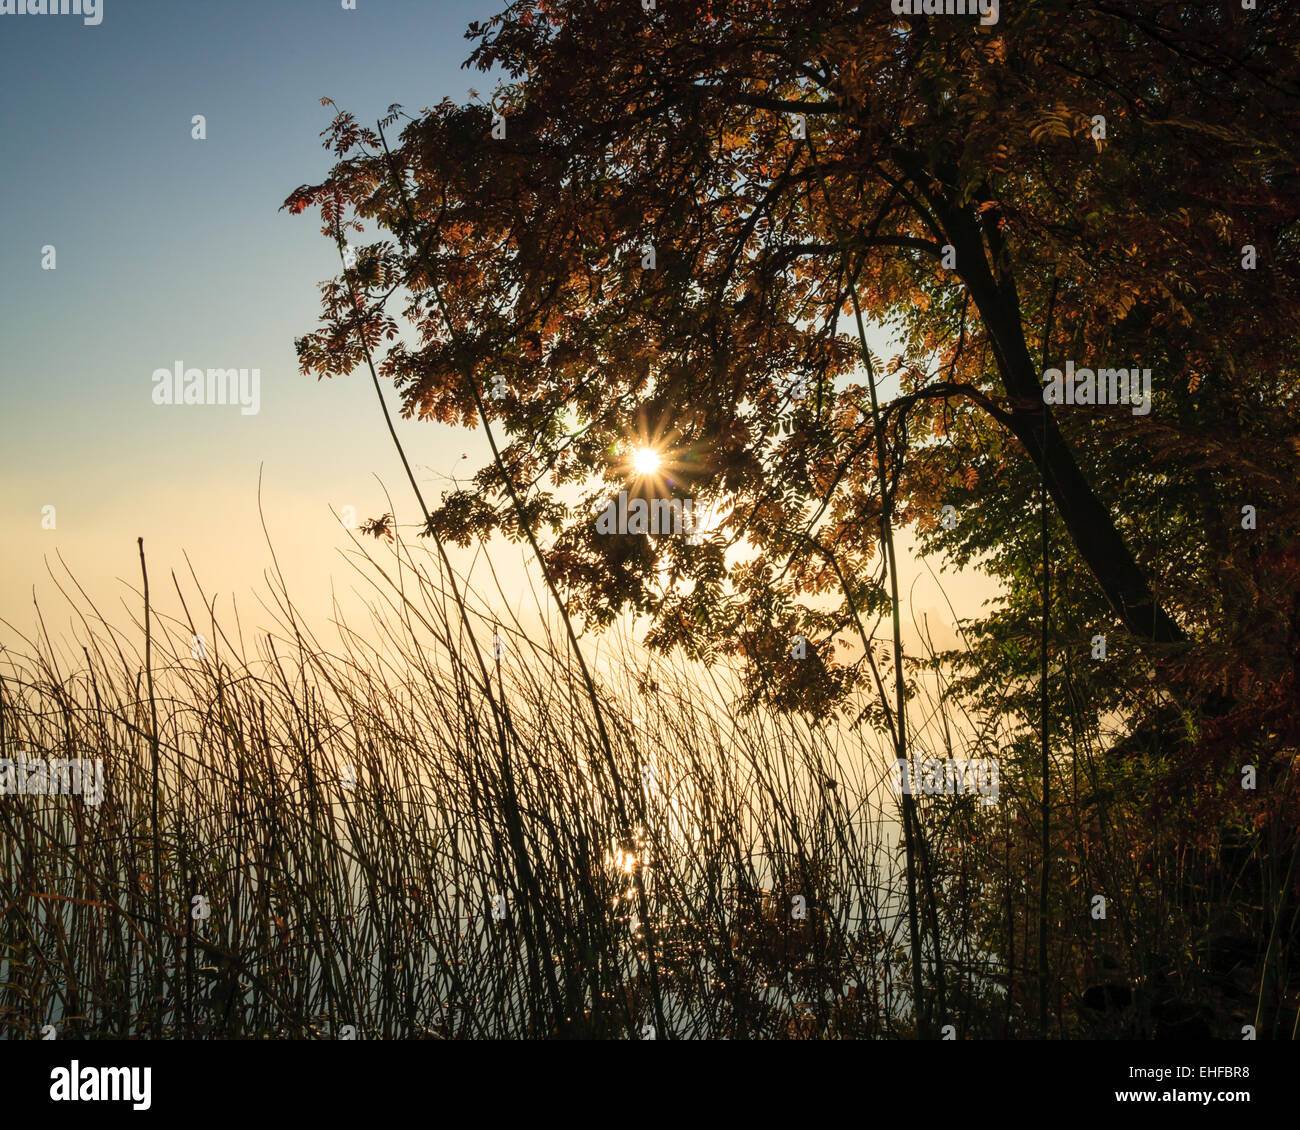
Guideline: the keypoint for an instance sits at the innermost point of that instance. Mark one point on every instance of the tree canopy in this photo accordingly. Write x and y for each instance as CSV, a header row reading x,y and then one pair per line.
x,y
665,224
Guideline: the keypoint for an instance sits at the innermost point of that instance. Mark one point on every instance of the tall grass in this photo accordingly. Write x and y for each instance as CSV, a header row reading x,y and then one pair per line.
x,y
476,880
388,847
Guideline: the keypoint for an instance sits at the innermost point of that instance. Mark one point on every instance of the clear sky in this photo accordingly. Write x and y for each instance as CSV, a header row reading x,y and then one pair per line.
x,y
170,249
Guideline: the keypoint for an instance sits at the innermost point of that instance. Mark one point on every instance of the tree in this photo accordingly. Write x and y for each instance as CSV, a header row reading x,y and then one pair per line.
x,y
656,232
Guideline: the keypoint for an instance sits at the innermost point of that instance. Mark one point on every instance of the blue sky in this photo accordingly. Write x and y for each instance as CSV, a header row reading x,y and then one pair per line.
x,y
170,248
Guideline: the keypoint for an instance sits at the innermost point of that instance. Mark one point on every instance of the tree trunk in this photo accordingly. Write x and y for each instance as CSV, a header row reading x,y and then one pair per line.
x,y
1086,517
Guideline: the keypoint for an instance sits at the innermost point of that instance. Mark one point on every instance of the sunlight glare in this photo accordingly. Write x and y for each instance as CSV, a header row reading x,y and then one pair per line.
x,y
645,461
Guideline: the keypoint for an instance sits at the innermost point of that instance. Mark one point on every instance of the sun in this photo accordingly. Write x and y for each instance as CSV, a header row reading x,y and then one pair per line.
x,y
645,461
